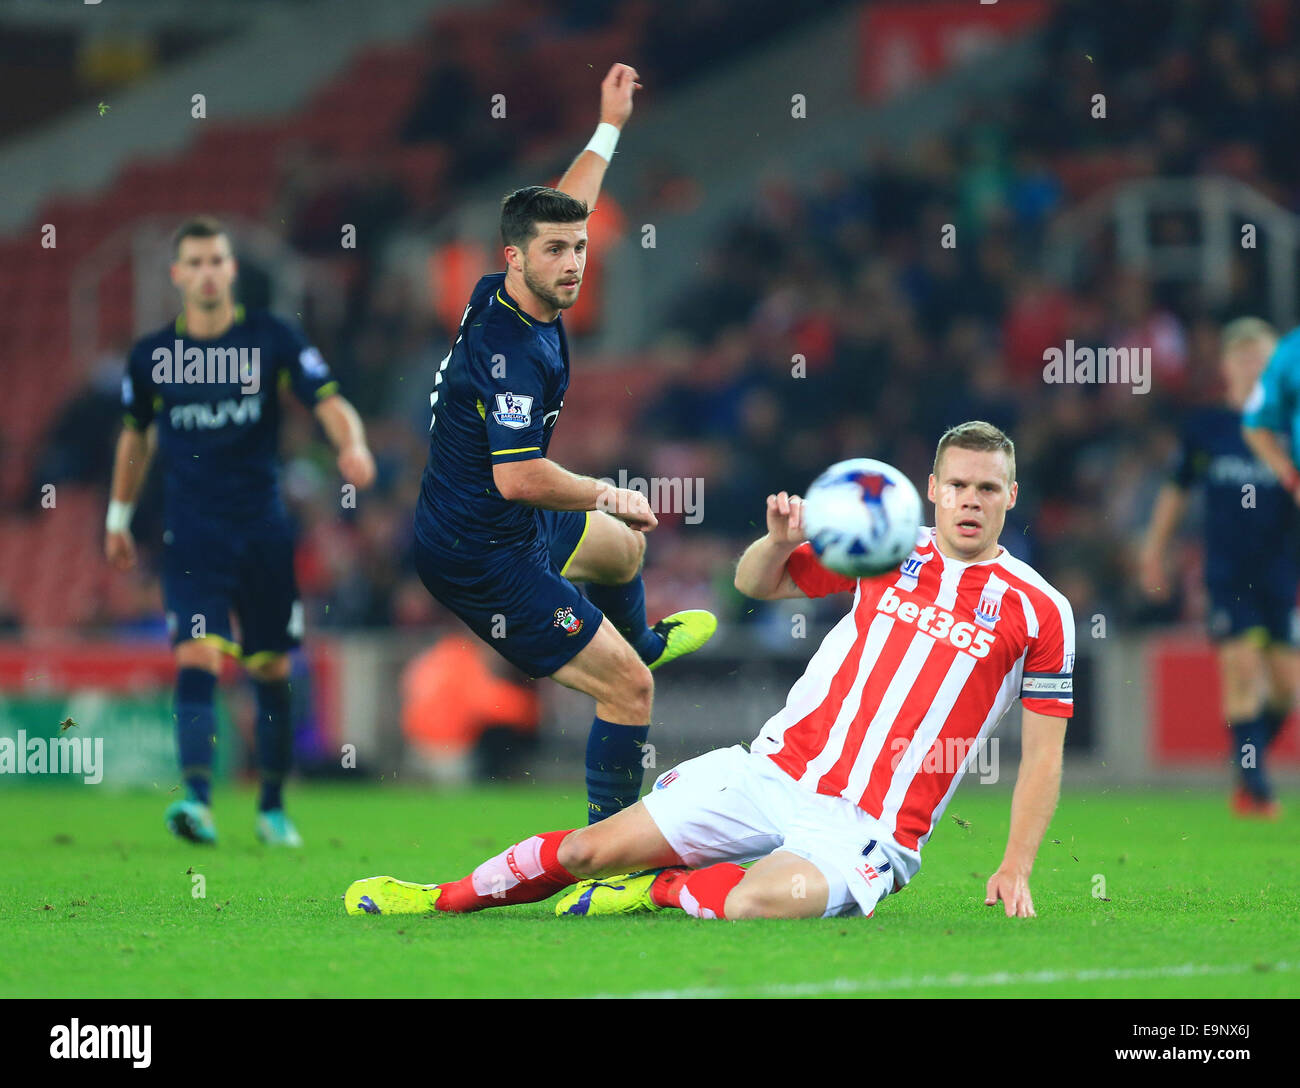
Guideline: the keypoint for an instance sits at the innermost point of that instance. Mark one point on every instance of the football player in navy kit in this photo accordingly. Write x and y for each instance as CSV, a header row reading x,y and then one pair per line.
x,y
204,393
503,534
1251,567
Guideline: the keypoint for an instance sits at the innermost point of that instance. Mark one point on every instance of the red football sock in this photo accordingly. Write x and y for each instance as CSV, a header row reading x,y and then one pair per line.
x,y
526,873
701,893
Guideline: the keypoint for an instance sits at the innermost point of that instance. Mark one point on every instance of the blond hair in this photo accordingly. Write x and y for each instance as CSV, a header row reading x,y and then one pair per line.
x,y
977,435
1245,330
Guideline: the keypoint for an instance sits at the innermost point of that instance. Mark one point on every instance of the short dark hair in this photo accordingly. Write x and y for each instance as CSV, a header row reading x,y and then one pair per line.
x,y
197,226
523,209
977,435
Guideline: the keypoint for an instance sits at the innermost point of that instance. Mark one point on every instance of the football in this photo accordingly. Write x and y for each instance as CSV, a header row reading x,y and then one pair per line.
x,y
862,517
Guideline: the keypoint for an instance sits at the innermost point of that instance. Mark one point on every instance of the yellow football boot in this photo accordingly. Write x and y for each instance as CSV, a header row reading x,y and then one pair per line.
x,y
683,633
388,895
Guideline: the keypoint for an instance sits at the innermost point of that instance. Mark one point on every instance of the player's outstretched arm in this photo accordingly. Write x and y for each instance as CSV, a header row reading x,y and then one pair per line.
x,y
539,481
583,179
135,450
761,572
1038,786
347,434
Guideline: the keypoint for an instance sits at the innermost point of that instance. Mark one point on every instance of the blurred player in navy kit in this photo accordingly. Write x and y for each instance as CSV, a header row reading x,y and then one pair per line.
x,y
502,532
1252,562
204,393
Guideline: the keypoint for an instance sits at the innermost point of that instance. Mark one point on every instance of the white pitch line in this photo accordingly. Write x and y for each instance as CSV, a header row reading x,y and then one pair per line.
x,y
953,981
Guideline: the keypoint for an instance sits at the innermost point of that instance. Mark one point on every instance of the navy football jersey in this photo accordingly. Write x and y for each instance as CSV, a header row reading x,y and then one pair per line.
x,y
1213,454
216,404
496,398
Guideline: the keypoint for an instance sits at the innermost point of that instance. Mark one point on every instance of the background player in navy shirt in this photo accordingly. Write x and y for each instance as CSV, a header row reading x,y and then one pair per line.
x,y
204,392
502,532
1251,561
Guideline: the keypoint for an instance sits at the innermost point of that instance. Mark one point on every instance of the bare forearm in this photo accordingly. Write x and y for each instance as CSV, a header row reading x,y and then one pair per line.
x,y
543,483
583,179
761,571
131,462
1268,446
1038,788
342,425
1165,517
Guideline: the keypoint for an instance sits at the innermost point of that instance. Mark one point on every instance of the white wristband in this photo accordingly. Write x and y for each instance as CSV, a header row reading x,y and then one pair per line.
x,y
604,140
119,516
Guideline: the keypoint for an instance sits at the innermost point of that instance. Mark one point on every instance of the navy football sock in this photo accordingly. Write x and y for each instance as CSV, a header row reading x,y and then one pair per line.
x,y
274,740
625,606
1273,717
195,728
614,754
1251,738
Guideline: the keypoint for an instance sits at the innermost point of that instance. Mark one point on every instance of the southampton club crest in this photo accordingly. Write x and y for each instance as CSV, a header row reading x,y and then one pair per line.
x,y
513,411
567,621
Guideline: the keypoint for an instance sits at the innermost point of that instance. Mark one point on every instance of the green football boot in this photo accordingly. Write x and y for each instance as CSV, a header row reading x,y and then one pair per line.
x,y
611,895
388,895
191,820
683,633
274,828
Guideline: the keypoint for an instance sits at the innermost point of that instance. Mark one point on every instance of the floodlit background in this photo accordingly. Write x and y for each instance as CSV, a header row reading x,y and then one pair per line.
x,y
769,292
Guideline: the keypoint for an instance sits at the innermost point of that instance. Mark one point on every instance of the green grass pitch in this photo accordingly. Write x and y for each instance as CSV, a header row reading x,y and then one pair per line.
x,y
97,901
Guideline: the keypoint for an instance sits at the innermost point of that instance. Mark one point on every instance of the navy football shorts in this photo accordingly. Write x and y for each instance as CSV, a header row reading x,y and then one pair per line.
x,y
211,570
1259,602
516,599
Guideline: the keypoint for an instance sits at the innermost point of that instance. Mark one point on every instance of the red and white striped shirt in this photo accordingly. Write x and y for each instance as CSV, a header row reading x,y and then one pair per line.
x,y
902,692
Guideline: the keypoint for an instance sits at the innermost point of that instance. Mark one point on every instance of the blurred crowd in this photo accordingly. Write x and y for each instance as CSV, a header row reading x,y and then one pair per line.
x,y
904,337
898,335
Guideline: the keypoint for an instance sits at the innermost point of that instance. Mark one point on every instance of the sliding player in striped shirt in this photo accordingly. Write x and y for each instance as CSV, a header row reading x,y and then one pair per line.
x,y
847,782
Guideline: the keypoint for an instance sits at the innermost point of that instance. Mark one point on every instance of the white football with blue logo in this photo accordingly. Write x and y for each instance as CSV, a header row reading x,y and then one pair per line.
x,y
862,517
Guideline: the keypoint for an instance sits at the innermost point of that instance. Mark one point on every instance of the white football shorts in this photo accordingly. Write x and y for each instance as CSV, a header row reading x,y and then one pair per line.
x,y
729,805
